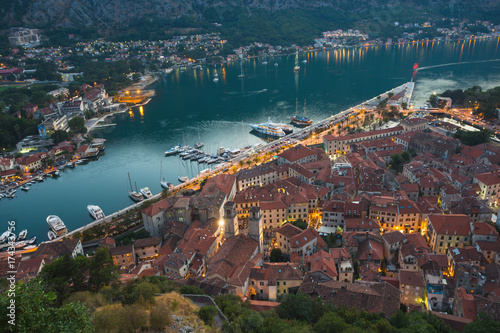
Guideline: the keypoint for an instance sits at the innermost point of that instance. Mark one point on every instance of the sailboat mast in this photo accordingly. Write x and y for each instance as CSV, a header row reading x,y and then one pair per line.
x,y
136,187
304,107
130,181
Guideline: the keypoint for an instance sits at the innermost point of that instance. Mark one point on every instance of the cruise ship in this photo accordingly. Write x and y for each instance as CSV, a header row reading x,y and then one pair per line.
x,y
95,211
272,129
57,225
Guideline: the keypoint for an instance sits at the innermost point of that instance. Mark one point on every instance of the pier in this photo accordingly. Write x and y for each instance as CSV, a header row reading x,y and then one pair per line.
x,y
297,137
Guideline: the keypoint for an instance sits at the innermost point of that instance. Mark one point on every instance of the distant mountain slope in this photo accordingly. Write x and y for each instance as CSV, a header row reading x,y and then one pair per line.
x,y
116,14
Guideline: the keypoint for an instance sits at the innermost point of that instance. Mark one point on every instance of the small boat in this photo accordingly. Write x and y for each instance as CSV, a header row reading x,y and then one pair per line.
x,y
204,171
95,211
198,145
56,173
32,240
242,73
30,247
166,185
25,188
276,64
5,236
297,66
10,195
61,167
134,195
304,61
40,178
22,235
265,60
183,179
146,192
70,165
174,150
216,79
57,225
51,235
20,245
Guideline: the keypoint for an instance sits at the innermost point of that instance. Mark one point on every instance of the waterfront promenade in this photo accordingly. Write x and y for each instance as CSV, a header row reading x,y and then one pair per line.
x,y
319,129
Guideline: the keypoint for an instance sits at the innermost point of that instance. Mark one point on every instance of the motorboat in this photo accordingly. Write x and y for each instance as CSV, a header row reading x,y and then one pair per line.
x,y
40,178
5,236
183,179
30,247
22,235
32,240
20,245
51,235
25,188
136,196
71,165
95,211
174,150
57,225
199,145
146,192
166,185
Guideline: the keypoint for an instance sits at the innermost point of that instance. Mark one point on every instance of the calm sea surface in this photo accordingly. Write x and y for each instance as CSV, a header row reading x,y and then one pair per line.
x,y
189,106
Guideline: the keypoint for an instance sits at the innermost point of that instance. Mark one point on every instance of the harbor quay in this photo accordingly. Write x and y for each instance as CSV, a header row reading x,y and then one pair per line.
x,y
300,136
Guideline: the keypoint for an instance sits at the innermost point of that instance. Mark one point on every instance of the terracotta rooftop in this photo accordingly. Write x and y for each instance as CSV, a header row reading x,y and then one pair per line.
x,y
450,224
411,278
156,208
145,242
289,230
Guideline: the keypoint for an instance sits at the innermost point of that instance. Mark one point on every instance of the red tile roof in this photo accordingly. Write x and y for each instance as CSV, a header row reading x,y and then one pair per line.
x,y
411,278
156,208
289,230
450,224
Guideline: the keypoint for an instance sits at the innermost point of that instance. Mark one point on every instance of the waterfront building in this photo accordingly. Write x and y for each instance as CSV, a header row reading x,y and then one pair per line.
x,y
299,154
342,144
55,123
154,217
52,251
29,163
34,142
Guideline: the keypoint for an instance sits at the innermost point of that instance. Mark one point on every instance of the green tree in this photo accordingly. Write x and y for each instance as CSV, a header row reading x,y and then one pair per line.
x,y
299,223
59,136
276,255
483,326
36,311
159,317
102,270
207,314
65,275
77,124
330,323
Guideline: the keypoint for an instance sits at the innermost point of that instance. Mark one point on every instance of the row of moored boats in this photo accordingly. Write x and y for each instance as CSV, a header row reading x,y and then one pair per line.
x,y
8,238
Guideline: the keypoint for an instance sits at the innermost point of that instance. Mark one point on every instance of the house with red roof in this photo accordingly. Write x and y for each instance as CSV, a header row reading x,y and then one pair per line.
x,y
271,280
298,154
412,286
489,184
154,217
444,231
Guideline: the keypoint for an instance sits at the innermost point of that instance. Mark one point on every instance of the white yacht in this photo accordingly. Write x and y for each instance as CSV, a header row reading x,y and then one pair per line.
x,y
22,235
57,225
183,179
272,129
146,192
95,211
5,236
51,235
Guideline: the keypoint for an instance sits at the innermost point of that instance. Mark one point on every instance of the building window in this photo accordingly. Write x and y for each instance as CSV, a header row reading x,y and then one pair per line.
x,y
261,283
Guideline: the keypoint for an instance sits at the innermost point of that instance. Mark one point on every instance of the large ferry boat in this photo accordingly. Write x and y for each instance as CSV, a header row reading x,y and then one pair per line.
x,y
95,211
57,225
272,129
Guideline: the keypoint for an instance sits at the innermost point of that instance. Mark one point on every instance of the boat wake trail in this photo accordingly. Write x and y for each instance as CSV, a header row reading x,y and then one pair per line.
x,y
256,92
457,63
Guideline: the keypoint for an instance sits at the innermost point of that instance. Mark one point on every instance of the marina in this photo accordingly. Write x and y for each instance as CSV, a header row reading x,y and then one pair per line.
x,y
186,101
